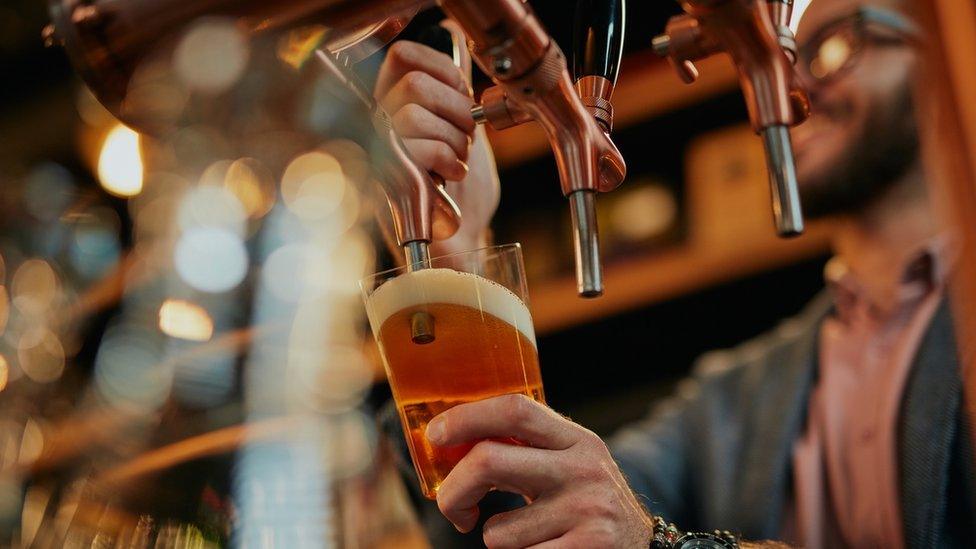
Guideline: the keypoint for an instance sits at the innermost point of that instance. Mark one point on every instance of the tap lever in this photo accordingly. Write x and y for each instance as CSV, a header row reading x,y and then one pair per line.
x,y
597,49
599,38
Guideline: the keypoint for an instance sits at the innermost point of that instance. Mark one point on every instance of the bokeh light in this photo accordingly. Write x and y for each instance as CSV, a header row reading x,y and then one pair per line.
x,y
211,259
95,245
313,185
128,372
351,442
4,372
41,355
296,271
35,287
833,54
185,320
50,189
211,56
341,384
253,186
31,442
350,260
120,163
4,309
644,212
209,206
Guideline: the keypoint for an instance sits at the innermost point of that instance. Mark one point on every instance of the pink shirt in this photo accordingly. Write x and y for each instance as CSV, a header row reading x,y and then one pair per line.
x,y
846,463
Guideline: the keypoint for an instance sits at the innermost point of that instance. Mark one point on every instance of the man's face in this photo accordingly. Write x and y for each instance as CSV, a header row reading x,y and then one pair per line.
x,y
861,136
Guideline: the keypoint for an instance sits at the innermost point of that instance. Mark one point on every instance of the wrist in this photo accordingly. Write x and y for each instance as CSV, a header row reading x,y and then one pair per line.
x,y
667,536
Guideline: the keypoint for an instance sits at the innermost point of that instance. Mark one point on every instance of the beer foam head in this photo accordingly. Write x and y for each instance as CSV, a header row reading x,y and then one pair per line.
x,y
428,286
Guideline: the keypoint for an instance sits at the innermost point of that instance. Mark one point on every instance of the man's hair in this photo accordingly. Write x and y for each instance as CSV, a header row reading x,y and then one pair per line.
x,y
884,152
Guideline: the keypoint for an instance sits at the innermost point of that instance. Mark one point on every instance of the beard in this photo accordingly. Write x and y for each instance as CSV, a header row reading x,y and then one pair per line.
x,y
885,149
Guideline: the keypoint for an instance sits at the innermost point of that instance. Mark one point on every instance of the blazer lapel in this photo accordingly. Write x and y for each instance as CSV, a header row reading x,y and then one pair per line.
x,y
928,423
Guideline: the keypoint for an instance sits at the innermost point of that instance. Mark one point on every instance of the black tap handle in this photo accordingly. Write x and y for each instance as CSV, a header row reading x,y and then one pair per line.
x,y
598,41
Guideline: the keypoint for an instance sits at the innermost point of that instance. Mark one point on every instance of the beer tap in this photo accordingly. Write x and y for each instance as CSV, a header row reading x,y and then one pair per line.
x,y
756,34
533,83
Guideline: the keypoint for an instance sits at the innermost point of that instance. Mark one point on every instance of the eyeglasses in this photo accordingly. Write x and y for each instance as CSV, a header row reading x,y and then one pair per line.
x,y
836,47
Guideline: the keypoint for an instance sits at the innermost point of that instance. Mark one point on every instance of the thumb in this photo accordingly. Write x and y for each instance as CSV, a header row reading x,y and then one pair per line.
x,y
462,57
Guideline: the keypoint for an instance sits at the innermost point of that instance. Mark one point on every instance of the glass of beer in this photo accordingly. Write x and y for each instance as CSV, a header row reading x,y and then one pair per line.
x,y
456,331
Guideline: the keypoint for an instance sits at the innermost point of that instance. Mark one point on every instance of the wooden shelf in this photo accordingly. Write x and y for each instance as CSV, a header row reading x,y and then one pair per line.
x,y
647,87
667,274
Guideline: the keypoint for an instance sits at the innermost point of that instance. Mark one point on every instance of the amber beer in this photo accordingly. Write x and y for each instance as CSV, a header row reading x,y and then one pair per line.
x,y
481,344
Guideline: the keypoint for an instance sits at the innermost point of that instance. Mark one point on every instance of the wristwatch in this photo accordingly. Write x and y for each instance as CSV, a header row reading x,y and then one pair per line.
x,y
667,536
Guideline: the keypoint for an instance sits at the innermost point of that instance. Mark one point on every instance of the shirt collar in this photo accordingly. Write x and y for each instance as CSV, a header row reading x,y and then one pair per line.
x,y
923,271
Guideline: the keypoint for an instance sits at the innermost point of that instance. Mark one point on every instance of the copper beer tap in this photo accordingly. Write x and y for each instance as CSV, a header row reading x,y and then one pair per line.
x,y
756,34
533,83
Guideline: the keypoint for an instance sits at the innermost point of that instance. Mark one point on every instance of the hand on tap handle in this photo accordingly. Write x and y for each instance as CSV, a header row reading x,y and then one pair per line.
x,y
421,209
429,99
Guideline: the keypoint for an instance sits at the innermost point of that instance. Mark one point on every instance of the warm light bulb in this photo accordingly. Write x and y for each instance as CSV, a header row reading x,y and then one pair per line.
x,y
185,320
120,163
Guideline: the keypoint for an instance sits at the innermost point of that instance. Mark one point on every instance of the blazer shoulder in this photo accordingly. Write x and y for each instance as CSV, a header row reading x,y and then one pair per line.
x,y
790,345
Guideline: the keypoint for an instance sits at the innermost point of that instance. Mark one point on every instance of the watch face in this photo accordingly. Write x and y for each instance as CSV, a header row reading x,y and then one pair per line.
x,y
702,544
702,541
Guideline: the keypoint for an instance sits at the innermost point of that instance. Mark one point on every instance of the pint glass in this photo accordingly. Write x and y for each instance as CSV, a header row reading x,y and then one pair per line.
x,y
456,332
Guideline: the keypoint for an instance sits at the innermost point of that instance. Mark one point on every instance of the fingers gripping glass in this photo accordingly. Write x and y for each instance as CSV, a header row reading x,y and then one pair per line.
x,y
836,47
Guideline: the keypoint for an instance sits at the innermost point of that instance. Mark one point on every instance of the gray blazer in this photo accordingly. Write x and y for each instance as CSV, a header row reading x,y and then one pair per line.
x,y
718,453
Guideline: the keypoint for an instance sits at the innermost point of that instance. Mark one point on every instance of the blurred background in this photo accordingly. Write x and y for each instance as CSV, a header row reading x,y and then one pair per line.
x,y
154,392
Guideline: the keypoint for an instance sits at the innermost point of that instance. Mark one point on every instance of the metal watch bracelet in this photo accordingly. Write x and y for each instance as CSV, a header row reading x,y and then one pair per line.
x,y
667,536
